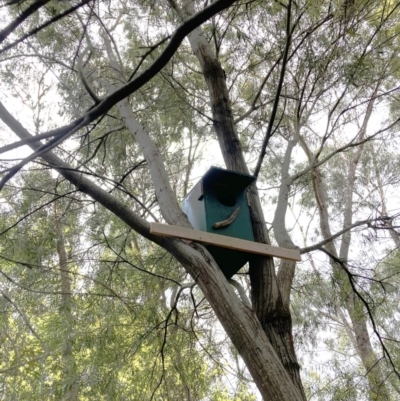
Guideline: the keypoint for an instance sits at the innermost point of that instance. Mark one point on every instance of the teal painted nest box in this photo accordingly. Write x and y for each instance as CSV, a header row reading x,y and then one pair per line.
x,y
218,204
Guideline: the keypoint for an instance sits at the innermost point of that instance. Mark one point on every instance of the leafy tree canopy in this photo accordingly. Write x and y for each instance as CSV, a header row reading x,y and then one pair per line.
x,y
111,111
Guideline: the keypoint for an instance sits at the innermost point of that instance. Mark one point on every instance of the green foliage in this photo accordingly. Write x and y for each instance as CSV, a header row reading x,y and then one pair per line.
x,y
131,326
117,338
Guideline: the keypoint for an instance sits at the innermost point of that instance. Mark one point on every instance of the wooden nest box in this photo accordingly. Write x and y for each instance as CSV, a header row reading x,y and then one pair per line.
x,y
218,204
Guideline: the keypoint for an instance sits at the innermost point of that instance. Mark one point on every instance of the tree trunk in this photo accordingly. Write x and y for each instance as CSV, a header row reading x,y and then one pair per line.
x,y
239,322
267,302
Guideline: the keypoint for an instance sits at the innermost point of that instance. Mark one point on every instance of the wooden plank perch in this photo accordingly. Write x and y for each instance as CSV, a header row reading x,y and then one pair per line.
x,y
224,241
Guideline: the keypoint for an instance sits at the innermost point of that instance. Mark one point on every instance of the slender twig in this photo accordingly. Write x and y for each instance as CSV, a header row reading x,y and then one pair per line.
x,y
350,145
141,269
253,106
36,210
137,165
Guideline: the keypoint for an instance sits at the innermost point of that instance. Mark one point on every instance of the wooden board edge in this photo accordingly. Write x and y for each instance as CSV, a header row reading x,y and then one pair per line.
x,y
224,241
